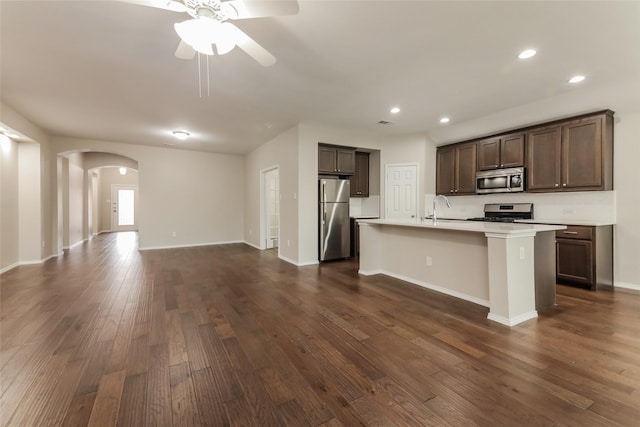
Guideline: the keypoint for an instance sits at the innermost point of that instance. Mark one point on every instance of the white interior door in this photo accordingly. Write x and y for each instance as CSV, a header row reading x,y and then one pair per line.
x,y
272,208
401,191
123,207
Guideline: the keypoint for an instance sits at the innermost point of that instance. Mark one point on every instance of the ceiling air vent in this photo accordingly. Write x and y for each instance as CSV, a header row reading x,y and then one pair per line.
x,y
384,122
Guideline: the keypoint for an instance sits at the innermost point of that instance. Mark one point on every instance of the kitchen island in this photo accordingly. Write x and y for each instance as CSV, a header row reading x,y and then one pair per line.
x,y
507,267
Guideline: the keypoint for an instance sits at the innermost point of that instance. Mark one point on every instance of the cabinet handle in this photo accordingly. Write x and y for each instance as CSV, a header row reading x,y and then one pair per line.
x,y
570,232
564,185
556,185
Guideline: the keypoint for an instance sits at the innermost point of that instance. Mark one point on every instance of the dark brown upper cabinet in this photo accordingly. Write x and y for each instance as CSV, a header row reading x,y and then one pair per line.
x,y
456,169
359,185
506,151
576,155
336,160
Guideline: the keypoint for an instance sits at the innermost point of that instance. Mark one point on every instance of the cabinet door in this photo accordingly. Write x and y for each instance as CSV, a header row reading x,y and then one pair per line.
x,y
543,159
445,170
360,181
466,169
574,261
582,154
512,151
346,161
489,154
327,160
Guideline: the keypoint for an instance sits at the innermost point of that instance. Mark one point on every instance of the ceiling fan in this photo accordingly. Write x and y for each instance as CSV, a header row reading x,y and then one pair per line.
x,y
207,30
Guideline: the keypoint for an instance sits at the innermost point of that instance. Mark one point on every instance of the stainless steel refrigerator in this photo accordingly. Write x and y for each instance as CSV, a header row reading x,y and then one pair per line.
x,y
334,219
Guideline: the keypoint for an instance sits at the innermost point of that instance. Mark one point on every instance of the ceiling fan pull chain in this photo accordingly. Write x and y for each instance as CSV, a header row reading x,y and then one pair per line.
x,y
208,79
199,78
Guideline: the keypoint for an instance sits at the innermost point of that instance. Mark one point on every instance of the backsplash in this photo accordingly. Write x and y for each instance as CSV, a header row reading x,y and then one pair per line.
x,y
364,206
577,206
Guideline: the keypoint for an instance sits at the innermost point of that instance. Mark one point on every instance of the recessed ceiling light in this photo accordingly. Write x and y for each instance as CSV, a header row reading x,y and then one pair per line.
x,y
527,53
445,120
395,110
181,134
576,79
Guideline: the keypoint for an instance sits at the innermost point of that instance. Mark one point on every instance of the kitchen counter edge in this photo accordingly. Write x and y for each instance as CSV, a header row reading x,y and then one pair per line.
x,y
470,226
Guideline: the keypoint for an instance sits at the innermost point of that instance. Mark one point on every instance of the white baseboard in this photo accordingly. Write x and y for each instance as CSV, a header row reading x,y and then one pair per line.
x,y
191,245
632,286
74,245
369,272
252,245
9,267
442,290
31,262
512,321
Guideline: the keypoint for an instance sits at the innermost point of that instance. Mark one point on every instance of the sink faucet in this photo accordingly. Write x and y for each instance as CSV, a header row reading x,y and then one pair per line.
x,y
435,216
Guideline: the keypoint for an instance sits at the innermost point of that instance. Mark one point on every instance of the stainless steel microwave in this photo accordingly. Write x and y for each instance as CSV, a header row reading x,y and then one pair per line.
x,y
509,180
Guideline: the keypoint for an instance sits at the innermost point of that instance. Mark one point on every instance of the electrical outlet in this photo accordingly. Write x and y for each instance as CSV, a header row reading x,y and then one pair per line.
x,y
288,242
521,252
429,261
173,234
569,211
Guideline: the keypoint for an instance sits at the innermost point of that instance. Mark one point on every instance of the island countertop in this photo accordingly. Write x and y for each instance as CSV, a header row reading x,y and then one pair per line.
x,y
511,229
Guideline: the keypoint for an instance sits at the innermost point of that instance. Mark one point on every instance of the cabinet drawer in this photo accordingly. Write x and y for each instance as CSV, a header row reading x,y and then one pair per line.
x,y
576,232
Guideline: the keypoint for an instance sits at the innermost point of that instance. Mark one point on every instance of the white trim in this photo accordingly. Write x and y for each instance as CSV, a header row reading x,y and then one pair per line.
x,y
74,245
253,245
446,291
134,227
9,267
289,260
632,286
512,321
263,206
191,245
31,262
369,272
386,173
306,263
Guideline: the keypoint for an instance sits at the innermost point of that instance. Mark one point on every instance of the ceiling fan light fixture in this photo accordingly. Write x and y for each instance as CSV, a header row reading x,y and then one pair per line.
x,y
181,134
525,54
201,33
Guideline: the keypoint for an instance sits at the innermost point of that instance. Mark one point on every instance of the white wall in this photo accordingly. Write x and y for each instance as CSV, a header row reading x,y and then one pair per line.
x,y
199,196
282,152
75,199
9,241
627,184
29,202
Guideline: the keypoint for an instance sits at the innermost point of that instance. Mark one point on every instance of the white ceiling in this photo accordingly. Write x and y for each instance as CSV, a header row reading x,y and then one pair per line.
x,y
106,70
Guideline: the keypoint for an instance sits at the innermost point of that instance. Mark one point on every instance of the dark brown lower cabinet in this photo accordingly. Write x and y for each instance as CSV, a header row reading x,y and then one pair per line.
x,y
584,256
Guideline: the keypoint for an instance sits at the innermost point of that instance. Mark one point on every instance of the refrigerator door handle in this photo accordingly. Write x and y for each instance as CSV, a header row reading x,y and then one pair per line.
x,y
324,192
324,214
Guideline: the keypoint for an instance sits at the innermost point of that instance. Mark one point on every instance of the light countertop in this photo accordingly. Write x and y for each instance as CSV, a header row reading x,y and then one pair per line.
x,y
470,226
597,223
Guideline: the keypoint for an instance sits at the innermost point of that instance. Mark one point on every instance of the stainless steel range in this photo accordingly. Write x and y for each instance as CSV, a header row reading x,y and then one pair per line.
x,y
505,212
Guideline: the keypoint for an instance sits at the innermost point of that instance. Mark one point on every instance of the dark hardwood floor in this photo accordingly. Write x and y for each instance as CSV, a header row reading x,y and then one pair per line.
x,y
229,335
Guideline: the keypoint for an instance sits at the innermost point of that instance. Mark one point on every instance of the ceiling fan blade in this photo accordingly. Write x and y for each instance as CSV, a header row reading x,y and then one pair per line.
x,y
245,9
252,48
184,51
173,5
